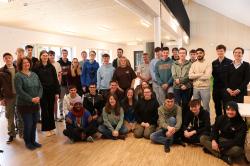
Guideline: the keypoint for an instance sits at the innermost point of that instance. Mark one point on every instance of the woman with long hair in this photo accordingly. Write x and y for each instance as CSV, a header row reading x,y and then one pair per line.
x,y
74,75
128,105
51,90
113,115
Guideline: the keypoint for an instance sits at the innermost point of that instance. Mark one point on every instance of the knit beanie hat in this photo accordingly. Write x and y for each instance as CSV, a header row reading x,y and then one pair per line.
x,y
233,105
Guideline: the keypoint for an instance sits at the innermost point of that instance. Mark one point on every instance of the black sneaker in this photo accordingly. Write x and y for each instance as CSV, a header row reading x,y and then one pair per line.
x,y
205,150
37,145
30,147
167,146
11,138
227,159
1,151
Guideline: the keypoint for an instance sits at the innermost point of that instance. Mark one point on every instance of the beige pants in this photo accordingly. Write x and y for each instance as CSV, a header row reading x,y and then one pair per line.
x,y
140,131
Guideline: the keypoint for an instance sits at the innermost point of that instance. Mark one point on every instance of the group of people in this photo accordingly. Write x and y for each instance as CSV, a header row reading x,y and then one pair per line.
x,y
171,104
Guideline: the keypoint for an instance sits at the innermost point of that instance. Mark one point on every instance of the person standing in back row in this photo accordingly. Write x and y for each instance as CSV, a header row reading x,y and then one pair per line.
x,y
116,62
220,68
237,78
163,75
200,72
124,75
89,72
65,65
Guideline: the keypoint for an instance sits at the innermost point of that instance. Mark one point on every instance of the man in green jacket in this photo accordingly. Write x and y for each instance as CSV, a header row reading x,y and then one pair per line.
x,y
170,120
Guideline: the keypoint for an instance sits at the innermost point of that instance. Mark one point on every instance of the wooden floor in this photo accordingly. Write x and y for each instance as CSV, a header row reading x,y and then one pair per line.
x,y
57,151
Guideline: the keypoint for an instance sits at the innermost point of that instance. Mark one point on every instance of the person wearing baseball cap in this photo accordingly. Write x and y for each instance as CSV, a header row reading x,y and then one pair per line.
x,y
228,135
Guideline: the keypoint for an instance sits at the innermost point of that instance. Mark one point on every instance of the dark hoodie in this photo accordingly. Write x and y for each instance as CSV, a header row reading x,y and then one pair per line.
x,y
200,123
65,68
233,129
146,111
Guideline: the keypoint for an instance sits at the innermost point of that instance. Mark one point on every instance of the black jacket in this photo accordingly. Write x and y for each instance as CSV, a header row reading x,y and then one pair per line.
x,y
48,78
65,69
219,72
234,130
147,111
238,78
93,103
200,123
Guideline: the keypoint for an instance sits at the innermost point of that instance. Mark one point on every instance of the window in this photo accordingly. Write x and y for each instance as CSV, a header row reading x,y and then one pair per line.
x,y
99,53
57,49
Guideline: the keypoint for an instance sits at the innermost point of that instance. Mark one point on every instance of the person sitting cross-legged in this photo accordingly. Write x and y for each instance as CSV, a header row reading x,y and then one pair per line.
x,y
228,135
113,116
79,126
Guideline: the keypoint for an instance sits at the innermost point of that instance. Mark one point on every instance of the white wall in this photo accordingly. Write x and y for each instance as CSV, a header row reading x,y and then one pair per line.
x,y
209,28
12,38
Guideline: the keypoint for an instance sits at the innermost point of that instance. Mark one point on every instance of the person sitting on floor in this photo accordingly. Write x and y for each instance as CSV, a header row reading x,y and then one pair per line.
x,y
128,104
228,135
196,123
94,103
113,115
146,115
69,99
170,120
79,126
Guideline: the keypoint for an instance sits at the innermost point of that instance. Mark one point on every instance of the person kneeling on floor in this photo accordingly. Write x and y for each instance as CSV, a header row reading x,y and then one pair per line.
x,y
196,123
170,119
228,135
79,125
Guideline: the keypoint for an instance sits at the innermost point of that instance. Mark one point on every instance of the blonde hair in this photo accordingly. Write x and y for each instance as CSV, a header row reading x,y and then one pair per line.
x,y
75,70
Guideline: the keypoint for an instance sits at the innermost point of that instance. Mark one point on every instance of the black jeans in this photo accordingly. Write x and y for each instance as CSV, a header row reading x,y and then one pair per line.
x,y
75,133
218,97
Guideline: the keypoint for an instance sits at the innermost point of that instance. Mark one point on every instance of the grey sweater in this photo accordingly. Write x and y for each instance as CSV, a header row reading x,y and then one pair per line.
x,y
27,87
110,120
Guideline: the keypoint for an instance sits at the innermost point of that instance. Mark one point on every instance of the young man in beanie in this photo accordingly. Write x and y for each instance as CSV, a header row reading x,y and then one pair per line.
x,y
79,125
196,122
228,135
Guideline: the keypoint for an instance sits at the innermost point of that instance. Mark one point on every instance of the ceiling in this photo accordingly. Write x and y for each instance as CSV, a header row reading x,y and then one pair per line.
x,y
237,10
103,20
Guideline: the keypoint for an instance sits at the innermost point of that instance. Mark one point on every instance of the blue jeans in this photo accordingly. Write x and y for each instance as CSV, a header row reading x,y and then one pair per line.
x,y
29,130
108,133
204,96
160,137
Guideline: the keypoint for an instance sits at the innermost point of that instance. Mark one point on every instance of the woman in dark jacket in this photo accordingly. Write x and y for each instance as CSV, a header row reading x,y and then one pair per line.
x,y
74,74
128,105
28,92
51,90
146,115
228,135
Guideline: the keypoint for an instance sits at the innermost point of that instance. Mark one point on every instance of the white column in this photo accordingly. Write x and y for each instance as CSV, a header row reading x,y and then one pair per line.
x,y
157,31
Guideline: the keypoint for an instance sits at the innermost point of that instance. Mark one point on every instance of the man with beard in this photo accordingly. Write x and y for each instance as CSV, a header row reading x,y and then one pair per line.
x,y
200,72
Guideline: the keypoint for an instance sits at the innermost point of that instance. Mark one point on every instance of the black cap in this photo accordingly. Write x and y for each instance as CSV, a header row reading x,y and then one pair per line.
x,y
233,105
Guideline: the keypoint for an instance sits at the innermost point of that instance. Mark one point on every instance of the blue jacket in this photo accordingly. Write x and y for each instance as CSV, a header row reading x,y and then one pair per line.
x,y
163,72
89,73
84,119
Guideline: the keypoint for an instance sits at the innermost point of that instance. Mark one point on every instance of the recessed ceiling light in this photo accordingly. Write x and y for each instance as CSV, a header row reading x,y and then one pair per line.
x,y
145,23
